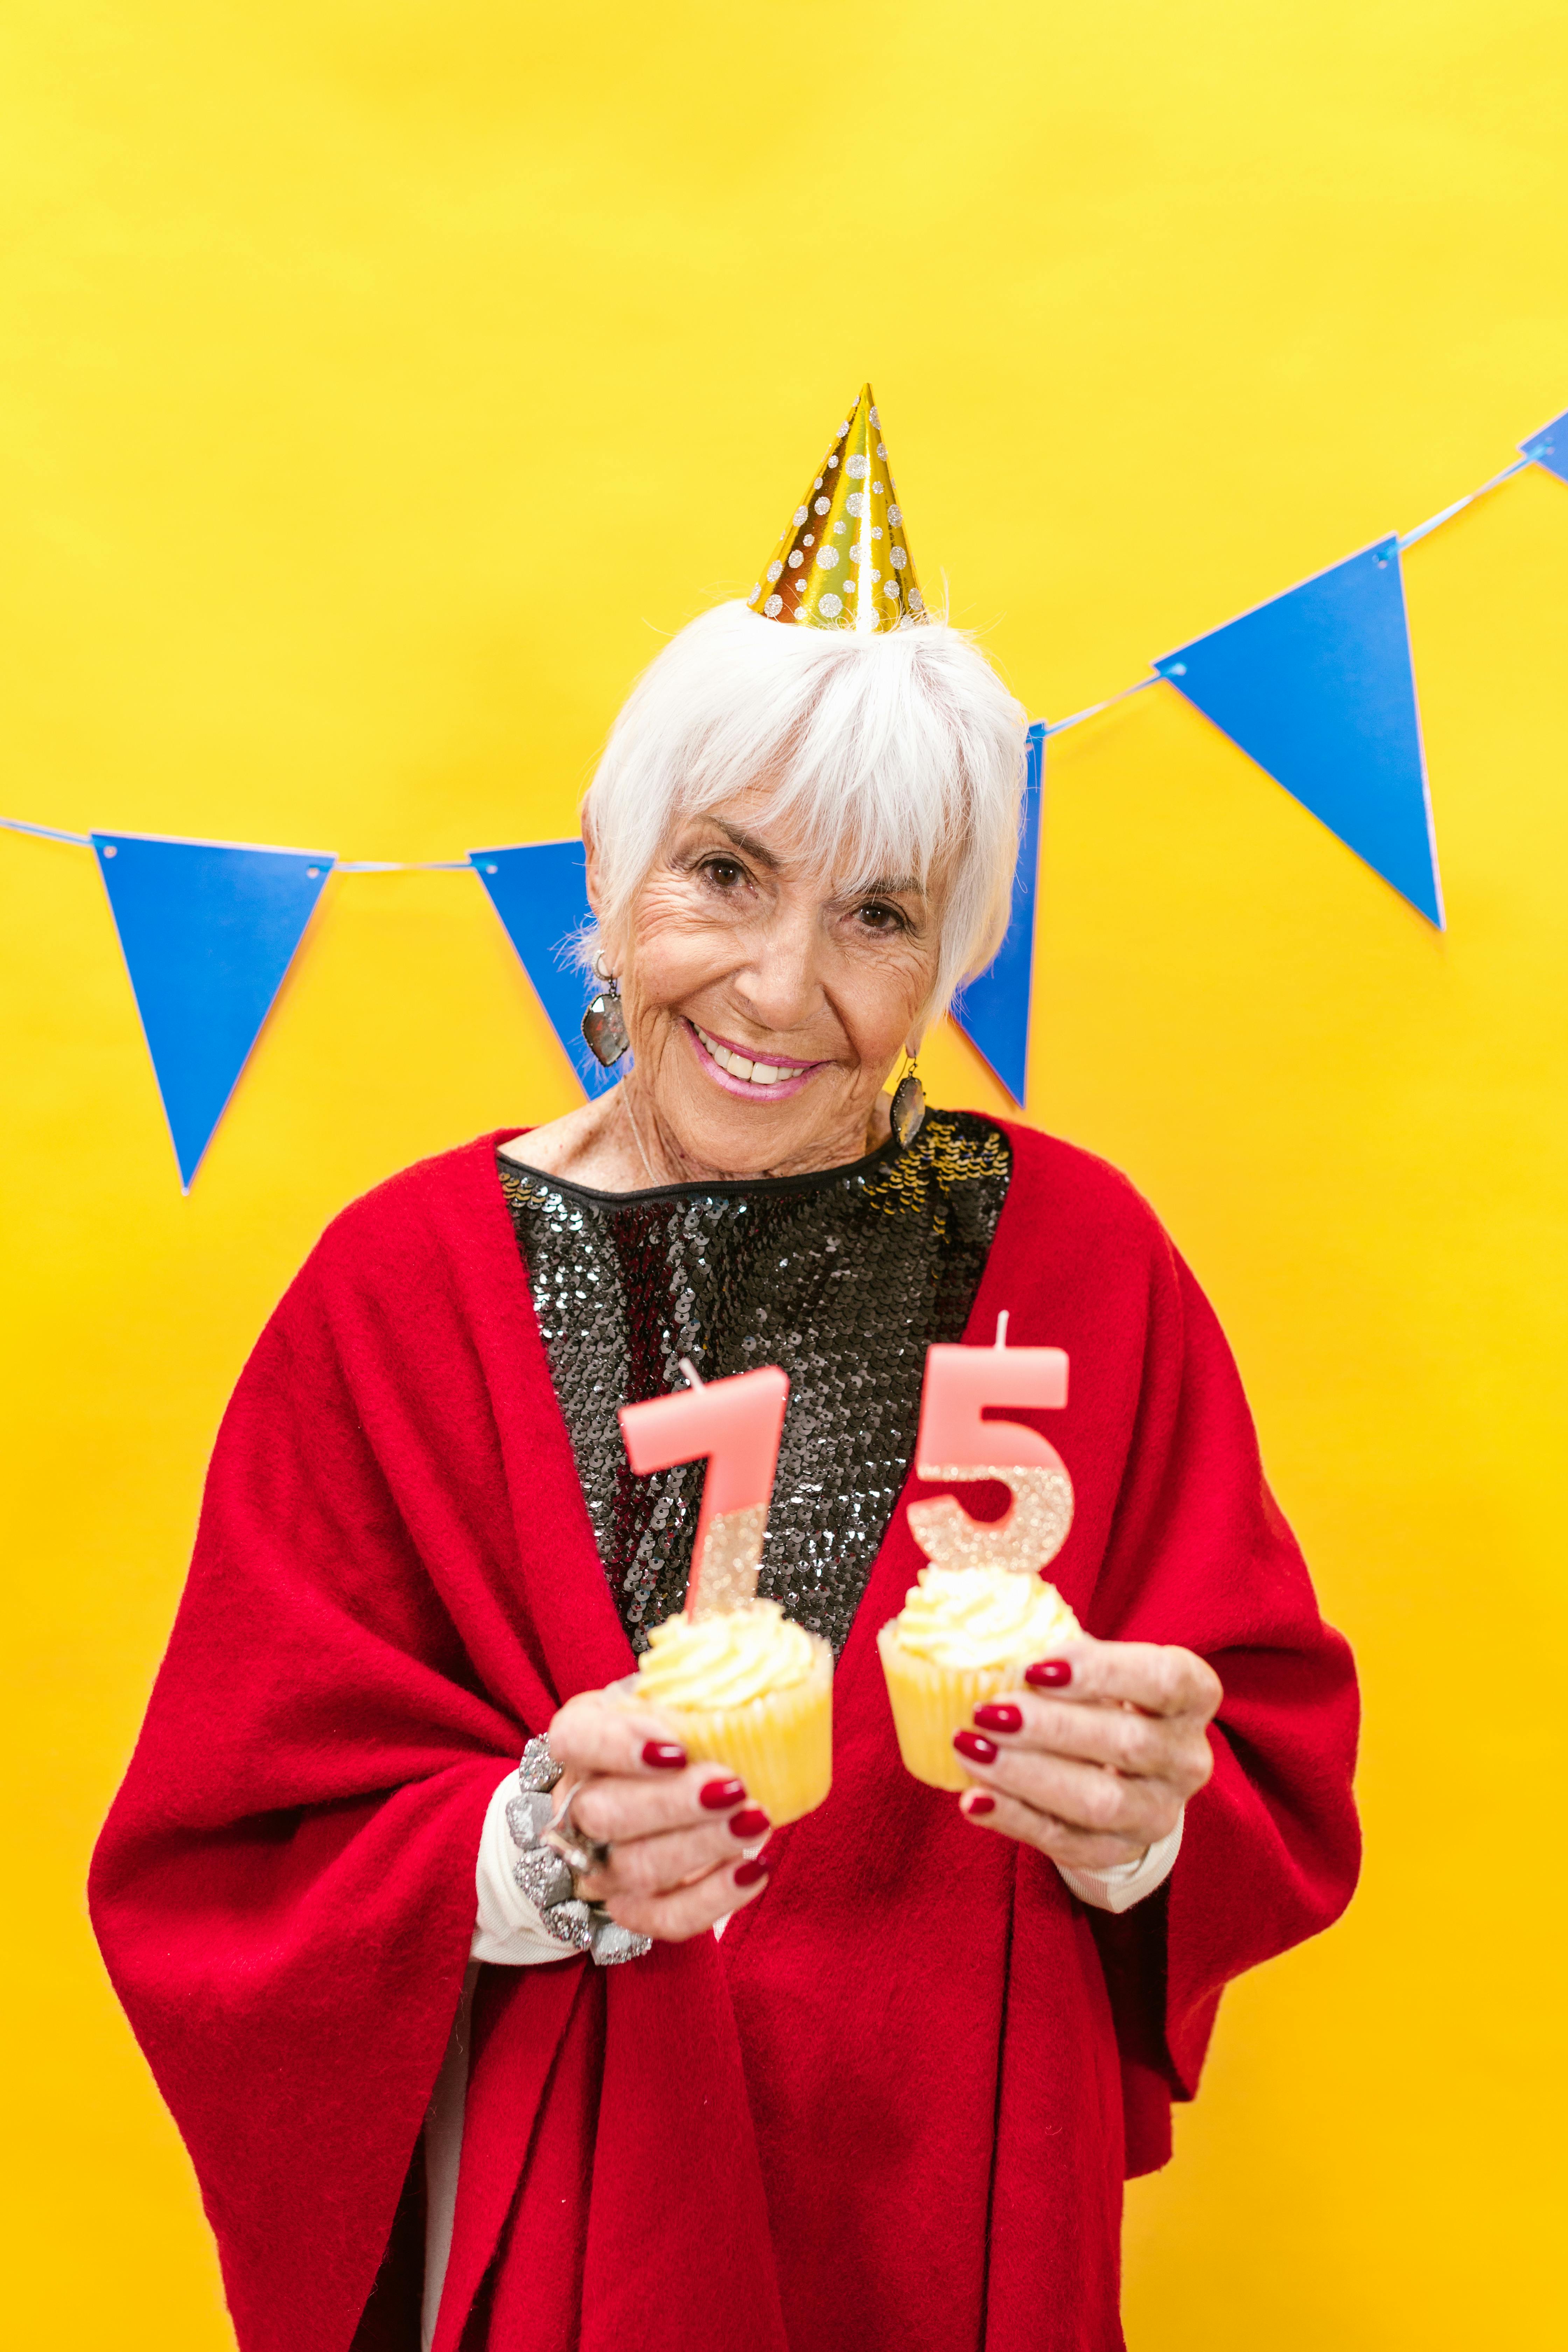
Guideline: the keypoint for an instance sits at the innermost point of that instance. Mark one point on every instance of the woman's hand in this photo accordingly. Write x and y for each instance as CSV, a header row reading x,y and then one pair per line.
x,y
1094,1760
682,1836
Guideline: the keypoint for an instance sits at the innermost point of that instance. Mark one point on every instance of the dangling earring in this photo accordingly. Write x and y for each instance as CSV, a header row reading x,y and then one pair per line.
x,y
604,1028
909,1105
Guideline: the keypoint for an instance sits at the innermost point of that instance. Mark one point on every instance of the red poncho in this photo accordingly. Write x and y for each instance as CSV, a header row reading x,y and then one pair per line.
x,y
895,2105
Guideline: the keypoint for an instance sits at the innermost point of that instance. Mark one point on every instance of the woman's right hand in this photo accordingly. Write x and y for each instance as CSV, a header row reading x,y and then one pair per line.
x,y
677,1831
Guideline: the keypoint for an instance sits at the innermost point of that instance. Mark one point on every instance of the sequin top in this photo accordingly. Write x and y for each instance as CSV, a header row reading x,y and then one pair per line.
x,y
843,1277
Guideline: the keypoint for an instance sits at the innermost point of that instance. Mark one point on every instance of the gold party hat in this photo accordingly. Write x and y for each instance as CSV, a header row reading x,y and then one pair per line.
x,y
842,561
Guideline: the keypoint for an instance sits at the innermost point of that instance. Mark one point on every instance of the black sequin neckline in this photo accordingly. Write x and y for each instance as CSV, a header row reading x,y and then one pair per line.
x,y
717,1188
845,1276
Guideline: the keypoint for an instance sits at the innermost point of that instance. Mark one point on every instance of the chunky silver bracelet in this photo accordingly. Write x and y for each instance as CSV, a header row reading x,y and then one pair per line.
x,y
551,1851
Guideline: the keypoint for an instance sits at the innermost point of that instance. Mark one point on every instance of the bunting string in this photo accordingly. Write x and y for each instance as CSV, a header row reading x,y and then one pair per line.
x,y
46,831
1447,514
1316,685
1060,726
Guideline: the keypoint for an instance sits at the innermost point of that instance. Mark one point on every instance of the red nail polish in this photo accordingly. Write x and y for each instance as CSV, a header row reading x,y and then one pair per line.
x,y
718,1796
664,1756
979,1802
978,1750
747,1873
1051,1673
997,1715
751,1823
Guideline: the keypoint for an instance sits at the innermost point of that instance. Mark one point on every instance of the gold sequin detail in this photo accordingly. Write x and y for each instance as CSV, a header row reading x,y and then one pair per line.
x,y
942,1156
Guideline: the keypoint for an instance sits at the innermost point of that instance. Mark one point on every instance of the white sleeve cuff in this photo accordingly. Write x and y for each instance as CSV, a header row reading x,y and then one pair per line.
x,y
508,1931
1126,1882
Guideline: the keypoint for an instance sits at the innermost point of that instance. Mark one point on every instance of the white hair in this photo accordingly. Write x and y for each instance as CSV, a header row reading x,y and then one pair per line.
x,y
900,752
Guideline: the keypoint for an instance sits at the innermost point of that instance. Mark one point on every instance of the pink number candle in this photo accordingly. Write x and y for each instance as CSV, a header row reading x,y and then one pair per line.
x,y
737,1425
956,1442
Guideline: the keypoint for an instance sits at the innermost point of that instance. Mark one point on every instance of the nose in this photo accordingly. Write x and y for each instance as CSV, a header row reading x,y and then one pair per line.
x,y
779,982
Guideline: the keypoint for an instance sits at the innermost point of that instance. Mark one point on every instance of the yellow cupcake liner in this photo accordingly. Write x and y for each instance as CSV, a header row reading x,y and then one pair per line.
x,y
930,1703
780,1745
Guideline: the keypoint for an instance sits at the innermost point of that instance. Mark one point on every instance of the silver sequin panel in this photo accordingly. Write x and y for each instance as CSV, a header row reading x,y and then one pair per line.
x,y
844,1278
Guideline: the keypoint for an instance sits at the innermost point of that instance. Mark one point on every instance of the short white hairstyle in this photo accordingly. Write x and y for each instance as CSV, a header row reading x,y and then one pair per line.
x,y
899,753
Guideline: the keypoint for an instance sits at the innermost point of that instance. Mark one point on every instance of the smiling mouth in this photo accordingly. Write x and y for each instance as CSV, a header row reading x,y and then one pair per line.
x,y
765,1076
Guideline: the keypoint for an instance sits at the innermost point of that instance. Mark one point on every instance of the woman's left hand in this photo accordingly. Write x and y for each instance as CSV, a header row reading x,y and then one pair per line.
x,y
1094,1759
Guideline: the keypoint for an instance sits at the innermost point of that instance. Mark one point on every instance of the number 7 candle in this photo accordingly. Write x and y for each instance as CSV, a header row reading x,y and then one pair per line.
x,y
735,1681
736,1425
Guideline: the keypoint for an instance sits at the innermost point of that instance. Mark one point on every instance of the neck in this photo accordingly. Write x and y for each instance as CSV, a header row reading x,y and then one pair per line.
x,y
620,1144
646,1141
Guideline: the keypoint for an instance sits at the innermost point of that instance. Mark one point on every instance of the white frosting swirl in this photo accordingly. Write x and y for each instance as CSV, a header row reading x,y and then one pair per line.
x,y
983,1617
723,1659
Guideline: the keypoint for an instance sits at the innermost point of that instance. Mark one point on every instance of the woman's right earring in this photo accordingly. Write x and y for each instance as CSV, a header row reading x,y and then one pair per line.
x,y
909,1105
605,1030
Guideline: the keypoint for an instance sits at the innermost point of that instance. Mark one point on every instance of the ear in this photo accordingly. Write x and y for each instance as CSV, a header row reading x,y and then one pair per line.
x,y
595,891
590,858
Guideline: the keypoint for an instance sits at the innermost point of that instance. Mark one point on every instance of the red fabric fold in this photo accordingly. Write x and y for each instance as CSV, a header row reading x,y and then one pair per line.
x,y
891,2107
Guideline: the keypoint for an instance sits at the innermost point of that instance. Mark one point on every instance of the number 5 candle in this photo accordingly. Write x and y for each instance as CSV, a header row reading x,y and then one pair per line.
x,y
737,1425
978,1615
956,1442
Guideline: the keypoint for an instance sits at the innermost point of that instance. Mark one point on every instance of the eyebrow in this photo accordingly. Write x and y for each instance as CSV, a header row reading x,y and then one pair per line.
x,y
749,842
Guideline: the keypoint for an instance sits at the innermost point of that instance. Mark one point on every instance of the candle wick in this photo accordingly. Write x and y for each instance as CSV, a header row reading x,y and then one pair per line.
x,y
1002,1327
692,1372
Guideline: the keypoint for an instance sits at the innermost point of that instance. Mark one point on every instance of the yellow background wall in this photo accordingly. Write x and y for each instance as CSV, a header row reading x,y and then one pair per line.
x,y
385,378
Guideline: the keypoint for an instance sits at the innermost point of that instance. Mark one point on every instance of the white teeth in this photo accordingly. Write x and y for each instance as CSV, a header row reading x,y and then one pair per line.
x,y
756,1074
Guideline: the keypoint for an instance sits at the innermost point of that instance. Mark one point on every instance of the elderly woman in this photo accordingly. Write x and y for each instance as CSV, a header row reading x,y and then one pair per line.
x,y
874,2079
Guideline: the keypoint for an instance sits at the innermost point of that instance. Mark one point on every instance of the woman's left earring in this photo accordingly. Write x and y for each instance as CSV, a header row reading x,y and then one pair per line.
x,y
604,1028
908,1108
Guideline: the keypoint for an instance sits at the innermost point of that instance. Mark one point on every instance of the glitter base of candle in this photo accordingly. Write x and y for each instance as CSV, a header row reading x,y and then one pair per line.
x,y
1032,1533
726,1576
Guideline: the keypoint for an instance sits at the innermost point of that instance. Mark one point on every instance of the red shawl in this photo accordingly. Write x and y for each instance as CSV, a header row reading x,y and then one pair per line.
x,y
895,2105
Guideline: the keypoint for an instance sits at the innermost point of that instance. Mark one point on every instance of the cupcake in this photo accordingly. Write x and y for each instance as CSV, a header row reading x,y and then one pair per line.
x,y
748,1688
963,1634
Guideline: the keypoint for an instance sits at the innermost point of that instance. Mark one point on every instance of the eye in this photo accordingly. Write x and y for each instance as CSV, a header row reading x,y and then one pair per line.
x,y
876,915
728,873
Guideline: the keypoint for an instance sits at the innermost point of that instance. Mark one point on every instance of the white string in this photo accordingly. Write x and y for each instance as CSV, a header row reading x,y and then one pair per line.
x,y
1050,726
340,864
1409,538
403,866
1406,539
1060,726
47,832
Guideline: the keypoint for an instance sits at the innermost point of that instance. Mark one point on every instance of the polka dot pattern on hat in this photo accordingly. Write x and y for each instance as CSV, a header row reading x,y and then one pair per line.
x,y
834,585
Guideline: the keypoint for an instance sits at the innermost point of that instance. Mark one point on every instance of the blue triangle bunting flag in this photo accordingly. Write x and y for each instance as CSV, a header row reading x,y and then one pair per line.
x,y
1317,686
207,930
1548,448
540,893
992,1009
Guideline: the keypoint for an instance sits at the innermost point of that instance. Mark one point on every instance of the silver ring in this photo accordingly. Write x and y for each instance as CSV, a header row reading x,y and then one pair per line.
x,y
578,1851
